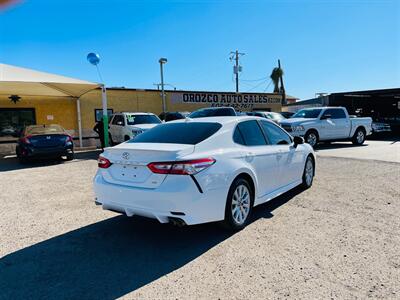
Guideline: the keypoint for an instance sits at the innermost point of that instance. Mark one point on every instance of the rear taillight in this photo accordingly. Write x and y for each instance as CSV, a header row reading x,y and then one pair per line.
x,y
26,140
103,162
187,167
69,139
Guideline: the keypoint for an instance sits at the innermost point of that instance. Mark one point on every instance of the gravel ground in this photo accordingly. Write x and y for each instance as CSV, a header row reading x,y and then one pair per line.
x,y
339,239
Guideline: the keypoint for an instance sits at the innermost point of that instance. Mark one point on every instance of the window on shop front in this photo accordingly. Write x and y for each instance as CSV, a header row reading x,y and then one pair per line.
x,y
13,120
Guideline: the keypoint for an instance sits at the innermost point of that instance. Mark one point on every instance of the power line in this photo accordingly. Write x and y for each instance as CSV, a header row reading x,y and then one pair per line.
x,y
256,86
263,78
268,86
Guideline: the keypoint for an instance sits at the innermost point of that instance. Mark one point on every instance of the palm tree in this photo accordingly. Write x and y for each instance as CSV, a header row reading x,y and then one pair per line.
x,y
276,75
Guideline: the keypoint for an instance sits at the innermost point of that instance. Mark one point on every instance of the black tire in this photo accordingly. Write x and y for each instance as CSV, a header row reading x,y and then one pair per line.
x,y
359,137
307,182
311,138
70,156
21,160
230,221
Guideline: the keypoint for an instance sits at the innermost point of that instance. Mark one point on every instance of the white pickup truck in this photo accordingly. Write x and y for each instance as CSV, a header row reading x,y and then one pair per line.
x,y
327,124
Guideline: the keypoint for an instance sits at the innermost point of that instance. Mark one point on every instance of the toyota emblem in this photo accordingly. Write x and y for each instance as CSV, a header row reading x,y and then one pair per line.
x,y
125,155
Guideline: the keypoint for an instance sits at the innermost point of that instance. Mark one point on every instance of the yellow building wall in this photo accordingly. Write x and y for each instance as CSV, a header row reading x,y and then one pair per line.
x,y
63,110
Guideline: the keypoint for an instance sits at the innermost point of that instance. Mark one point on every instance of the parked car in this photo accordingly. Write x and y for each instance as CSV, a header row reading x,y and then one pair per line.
x,y
203,170
378,127
127,125
273,116
327,124
213,112
287,114
44,141
172,116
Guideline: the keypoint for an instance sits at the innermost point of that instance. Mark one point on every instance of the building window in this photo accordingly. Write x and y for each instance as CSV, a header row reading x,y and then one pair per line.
x,y
13,121
98,114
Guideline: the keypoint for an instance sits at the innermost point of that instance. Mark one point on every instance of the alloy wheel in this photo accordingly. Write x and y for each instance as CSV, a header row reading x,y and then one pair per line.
x,y
309,171
312,139
360,136
240,204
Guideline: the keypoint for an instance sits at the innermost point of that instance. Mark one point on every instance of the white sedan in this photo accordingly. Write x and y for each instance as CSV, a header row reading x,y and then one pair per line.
x,y
203,170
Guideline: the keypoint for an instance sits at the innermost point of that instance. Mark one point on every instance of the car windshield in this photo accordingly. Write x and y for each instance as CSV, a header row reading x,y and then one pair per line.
x,y
142,119
307,113
212,112
190,133
45,129
275,116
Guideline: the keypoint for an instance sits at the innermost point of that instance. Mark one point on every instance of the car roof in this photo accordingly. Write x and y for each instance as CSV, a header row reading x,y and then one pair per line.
x,y
133,113
322,107
222,120
215,108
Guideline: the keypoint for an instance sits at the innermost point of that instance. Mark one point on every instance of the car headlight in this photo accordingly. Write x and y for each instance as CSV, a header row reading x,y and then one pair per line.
x,y
298,128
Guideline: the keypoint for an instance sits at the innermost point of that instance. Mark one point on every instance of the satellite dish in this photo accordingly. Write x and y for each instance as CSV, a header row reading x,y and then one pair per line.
x,y
93,58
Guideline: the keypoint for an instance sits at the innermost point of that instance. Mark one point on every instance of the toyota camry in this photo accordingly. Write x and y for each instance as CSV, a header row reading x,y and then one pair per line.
x,y
203,170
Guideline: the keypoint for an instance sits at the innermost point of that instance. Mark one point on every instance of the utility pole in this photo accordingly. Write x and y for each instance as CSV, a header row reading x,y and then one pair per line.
x,y
162,61
236,68
282,86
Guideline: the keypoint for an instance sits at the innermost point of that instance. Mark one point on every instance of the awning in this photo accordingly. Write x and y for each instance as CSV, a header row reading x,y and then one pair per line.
x,y
26,82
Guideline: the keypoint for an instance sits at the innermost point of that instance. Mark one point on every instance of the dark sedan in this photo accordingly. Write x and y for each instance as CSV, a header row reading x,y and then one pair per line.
x,y
44,141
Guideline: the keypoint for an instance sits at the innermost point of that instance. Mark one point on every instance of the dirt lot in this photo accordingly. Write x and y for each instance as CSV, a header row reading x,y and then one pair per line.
x,y
339,239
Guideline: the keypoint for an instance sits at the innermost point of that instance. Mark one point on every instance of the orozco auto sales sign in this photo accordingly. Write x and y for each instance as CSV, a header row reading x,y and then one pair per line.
x,y
238,101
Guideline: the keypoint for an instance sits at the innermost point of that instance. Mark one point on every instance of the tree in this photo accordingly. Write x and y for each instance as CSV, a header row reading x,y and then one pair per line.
x,y
276,75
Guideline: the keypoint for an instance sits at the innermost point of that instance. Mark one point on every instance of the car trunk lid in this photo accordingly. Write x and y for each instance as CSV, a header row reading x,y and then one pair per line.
x,y
130,160
48,140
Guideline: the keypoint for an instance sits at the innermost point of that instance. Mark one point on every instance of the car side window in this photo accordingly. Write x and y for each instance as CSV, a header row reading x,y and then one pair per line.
x,y
251,133
275,135
335,113
237,137
338,114
118,120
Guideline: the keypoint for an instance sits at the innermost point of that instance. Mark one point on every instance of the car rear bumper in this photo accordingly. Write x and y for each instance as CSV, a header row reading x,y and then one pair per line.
x,y
177,197
31,152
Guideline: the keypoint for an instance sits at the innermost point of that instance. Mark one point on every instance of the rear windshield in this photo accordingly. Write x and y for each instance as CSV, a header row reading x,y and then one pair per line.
x,y
212,112
44,129
178,133
142,119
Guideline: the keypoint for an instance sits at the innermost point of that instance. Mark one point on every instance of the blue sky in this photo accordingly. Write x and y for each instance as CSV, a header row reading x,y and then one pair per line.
x,y
324,46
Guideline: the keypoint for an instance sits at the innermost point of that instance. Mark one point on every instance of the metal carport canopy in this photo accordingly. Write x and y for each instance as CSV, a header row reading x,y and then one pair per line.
x,y
26,82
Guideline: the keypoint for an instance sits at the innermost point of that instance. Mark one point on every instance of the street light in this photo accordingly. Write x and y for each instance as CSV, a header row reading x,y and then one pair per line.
x,y
162,61
94,59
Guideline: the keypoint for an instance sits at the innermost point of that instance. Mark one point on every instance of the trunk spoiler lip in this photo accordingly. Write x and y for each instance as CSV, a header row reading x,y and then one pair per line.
x,y
181,153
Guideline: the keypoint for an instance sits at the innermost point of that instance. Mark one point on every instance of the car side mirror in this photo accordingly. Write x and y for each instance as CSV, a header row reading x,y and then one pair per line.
x,y
298,140
327,116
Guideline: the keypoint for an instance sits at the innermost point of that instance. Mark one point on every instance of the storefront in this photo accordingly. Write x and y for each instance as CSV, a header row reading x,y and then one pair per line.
x,y
78,112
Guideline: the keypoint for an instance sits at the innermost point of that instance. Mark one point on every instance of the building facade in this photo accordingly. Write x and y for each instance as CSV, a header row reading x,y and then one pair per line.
x,y
15,113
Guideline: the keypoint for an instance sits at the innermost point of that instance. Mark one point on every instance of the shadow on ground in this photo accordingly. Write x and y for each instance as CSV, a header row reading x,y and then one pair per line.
x,y
111,258
12,163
